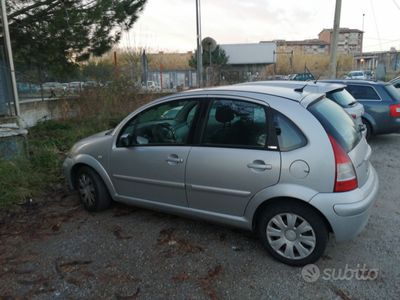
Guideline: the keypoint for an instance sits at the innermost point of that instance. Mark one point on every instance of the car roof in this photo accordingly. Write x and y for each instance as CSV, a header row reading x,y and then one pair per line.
x,y
356,81
282,92
307,86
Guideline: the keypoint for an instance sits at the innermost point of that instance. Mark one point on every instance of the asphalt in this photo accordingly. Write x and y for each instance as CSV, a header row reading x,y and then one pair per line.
x,y
57,250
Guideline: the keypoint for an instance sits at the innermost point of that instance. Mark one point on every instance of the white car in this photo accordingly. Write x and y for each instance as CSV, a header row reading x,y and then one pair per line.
x,y
363,75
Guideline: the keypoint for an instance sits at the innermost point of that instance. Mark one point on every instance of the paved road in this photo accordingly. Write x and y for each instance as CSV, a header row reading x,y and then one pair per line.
x,y
61,251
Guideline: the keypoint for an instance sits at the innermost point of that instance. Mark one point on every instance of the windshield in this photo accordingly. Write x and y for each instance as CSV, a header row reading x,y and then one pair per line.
x,y
341,97
337,123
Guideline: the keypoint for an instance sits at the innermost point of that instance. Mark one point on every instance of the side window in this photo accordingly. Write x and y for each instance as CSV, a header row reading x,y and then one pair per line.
x,y
289,135
236,123
166,123
362,92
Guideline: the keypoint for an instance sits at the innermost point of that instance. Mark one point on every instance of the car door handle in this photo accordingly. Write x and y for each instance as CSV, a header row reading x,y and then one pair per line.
x,y
174,159
259,166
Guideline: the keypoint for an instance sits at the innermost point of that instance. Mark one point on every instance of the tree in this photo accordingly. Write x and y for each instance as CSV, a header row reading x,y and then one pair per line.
x,y
57,34
218,58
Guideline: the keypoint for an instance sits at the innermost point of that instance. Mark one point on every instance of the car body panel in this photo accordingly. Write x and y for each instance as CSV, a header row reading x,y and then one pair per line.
x,y
232,183
145,172
348,212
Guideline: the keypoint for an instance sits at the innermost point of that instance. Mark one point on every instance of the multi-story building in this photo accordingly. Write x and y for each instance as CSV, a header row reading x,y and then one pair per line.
x,y
312,46
349,41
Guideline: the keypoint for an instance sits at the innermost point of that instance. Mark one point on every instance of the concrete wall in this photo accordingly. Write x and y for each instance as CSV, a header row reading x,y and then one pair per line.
x,y
34,111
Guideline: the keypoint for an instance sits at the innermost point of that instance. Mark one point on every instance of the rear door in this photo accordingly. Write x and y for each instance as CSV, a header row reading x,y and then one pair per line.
x,y
236,157
376,109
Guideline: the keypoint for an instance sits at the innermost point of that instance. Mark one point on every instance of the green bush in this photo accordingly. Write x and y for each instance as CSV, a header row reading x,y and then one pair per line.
x,y
48,144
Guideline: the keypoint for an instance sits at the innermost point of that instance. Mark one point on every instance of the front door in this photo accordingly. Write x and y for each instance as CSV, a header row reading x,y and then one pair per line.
x,y
149,158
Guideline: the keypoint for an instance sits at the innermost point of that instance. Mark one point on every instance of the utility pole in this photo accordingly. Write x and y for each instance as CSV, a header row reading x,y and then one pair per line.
x,y
10,55
199,46
334,40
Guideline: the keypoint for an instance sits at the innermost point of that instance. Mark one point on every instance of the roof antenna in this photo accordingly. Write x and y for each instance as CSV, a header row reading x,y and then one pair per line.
x,y
300,90
316,80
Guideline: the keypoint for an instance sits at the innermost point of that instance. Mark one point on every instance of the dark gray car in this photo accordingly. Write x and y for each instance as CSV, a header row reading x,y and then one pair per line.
x,y
381,102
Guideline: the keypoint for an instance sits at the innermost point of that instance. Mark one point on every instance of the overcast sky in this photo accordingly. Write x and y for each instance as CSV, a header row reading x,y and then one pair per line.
x,y
170,25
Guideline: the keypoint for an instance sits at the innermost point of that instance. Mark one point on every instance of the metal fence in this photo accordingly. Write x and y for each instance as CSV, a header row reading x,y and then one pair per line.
x,y
6,95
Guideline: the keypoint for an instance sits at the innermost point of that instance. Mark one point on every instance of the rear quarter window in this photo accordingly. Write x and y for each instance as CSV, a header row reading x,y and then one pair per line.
x,y
336,123
393,92
363,92
289,135
341,97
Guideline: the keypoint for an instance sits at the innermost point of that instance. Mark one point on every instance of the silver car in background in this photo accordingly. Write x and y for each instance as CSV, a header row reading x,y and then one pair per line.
x,y
334,91
292,167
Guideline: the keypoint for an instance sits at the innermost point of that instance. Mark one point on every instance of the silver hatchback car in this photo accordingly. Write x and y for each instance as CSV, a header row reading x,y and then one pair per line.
x,y
290,166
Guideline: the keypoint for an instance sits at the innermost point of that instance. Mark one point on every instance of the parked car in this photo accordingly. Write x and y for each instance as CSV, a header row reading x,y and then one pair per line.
x,y
289,166
152,86
362,74
381,102
75,86
90,85
53,89
301,77
334,91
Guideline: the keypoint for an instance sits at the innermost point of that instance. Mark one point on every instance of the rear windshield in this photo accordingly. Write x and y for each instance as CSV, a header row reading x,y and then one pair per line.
x,y
341,97
393,92
336,123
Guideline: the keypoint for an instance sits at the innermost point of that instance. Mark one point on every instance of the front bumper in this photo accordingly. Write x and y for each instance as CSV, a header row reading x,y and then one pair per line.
x,y
348,212
67,170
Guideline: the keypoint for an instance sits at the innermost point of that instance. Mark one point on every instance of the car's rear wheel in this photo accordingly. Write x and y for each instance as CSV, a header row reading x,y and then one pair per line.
x,y
92,190
293,233
368,129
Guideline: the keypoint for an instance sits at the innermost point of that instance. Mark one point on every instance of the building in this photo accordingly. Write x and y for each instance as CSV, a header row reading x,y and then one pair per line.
x,y
350,41
390,60
247,61
312,46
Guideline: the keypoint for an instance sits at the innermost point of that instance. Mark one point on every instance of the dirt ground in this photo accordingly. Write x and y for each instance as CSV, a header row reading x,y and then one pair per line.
x,y
57,250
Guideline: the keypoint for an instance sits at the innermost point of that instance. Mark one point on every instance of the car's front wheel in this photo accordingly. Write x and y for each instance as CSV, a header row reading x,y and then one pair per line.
x,y
92,190
293,233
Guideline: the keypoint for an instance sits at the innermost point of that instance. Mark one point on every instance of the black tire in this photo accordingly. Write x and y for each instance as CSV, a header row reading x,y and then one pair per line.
x,y
319,233
368,129
90,184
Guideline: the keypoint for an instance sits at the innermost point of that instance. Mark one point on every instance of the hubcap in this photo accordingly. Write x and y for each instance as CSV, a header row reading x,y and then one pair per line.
x,y
291,236
87,190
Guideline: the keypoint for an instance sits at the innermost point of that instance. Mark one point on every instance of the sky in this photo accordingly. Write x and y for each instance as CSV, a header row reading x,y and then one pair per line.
x,y
170,25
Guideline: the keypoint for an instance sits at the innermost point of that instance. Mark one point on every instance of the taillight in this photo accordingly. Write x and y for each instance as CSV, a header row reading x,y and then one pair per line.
x,y
353,116
345,179
395,110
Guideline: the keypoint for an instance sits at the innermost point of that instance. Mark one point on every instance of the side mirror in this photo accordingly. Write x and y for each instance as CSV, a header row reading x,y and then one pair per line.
x,y
125,140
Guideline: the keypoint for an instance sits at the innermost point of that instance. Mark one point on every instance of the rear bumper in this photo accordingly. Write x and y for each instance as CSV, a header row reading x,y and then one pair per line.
x,y
348,212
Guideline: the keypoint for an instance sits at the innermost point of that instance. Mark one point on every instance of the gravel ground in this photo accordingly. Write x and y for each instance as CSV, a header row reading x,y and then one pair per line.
x,y
60,251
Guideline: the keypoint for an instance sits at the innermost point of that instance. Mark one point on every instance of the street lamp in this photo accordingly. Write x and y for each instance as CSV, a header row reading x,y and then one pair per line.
x,y
199,47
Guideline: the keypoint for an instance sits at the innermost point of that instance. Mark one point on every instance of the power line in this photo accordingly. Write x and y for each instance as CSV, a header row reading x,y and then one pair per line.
x,y
376,24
